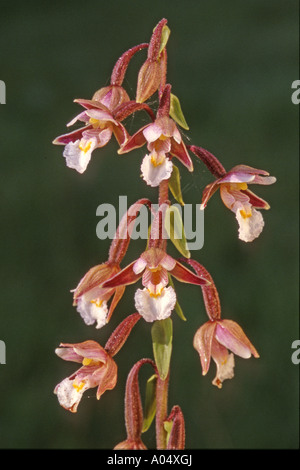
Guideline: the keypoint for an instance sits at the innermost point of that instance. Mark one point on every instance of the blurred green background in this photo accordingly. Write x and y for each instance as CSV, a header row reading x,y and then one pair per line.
x,y
232,65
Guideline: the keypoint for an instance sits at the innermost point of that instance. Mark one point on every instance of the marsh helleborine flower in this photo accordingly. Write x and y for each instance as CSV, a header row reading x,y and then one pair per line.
x,y
100,125
213,339
163,138
156,301
98,370
240,200
91,299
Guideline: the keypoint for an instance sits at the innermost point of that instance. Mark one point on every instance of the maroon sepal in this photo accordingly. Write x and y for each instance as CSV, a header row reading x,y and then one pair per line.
x,y
120,334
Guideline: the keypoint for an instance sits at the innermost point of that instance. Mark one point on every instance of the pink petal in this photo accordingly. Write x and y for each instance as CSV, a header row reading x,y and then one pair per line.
x,y
108,379
265,180
104,137
71,136
92,350
133,142
208,191
237,177
203,344
100,115
67,353
179,151
248,169
139,265
80,117
168,262
152,132
231,197
231,335
124,277
183,274
91,104
256,201
120,133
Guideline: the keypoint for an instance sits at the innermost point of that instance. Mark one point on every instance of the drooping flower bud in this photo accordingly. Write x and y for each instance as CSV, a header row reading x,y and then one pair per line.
x,y
120,334
133,409
176,440
151,72
212,163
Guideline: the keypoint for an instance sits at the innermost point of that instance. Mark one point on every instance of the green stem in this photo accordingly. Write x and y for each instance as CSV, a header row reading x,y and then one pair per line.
x,y
161,411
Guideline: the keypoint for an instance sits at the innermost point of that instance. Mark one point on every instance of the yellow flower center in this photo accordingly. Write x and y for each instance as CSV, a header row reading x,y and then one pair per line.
x,y
86,361
155,294
155,160
86,148
238,186
97,302
98,124
78,387
246,213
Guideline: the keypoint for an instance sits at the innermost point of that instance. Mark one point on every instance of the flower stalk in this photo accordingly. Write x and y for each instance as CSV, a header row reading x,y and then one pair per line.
x,y
99,293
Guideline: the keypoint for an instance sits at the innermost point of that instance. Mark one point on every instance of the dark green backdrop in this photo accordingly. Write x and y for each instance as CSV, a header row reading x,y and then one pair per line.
x,y
232,65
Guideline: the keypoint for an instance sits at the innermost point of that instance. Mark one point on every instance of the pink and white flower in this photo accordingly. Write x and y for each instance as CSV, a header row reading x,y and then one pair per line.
x,y
155,301
100,125
240,200
163,141
91,299
214,339
98,370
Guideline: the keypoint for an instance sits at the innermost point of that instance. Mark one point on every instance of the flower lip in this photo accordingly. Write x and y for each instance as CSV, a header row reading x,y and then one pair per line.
x,y
153,174
153,308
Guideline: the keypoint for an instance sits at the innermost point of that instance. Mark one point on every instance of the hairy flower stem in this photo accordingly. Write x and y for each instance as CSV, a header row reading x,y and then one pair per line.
x,y
161,411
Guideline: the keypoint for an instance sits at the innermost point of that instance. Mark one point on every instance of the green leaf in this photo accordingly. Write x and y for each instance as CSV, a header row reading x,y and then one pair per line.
x,y
175,186
162,334
178,309
168,428
175,230
150,403
176,112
